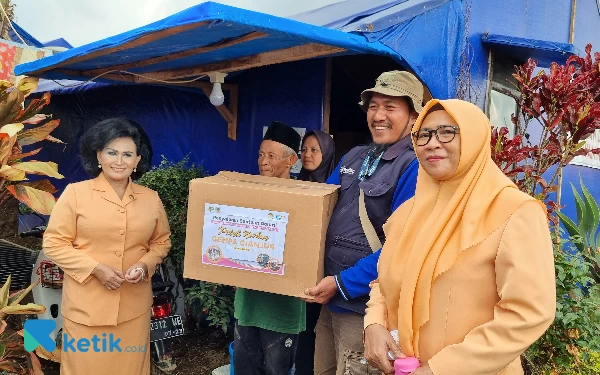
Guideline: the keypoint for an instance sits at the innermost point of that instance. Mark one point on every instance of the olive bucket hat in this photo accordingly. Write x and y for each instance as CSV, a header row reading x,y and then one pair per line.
x,y
396,83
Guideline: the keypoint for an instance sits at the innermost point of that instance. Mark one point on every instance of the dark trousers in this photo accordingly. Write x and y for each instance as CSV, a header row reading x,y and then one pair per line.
x,y
305,355
258,351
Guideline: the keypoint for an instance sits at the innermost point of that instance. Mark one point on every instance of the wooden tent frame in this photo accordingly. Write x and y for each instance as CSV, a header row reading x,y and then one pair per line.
x,y
229,113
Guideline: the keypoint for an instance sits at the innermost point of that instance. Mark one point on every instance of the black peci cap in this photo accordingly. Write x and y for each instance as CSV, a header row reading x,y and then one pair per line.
x,y
284,134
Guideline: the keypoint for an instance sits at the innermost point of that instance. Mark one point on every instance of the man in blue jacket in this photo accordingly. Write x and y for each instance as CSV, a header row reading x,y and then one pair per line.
x,y
386,172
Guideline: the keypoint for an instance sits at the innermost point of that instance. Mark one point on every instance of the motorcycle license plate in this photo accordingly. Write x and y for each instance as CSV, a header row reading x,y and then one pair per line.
x,y
166,328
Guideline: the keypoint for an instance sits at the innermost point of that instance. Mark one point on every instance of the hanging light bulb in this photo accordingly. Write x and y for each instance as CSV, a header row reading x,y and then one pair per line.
x,y
216,96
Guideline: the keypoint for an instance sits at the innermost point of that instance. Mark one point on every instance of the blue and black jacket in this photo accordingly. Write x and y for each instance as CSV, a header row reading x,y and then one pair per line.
x,y
348,256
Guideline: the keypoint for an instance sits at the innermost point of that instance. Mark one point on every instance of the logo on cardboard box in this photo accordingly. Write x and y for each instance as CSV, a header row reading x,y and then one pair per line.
x,y
214,253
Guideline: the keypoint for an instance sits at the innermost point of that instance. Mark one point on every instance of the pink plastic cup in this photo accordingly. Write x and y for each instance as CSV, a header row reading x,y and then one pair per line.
x,y
405,366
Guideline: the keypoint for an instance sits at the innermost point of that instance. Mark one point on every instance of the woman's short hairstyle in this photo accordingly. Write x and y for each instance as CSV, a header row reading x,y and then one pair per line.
x,y
98,136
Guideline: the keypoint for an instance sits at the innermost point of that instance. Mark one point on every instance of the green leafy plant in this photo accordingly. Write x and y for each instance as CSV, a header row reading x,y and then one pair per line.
x,y
216,301
12,353
588,364
171,182
571,344
584,232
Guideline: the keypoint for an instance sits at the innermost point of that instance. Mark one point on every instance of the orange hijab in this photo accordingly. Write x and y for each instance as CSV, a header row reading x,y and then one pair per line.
x,y
444,218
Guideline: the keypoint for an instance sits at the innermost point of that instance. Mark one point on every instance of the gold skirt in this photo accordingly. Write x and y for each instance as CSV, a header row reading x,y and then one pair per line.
x,y
106,350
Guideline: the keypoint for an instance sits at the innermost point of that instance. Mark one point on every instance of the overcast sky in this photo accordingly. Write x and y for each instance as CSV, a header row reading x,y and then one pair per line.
x,y
85,21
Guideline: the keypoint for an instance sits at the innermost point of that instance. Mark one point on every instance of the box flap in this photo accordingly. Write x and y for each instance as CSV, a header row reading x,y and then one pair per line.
x,y
270,183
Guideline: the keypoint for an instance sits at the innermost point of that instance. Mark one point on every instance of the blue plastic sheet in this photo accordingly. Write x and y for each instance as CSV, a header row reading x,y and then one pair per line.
x,y
339,15
406,27
408,42
24,36
206,24
183,123
545,52
436,60
60,42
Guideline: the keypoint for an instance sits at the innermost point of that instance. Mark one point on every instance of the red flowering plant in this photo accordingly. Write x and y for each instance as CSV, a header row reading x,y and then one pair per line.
x,y
566,102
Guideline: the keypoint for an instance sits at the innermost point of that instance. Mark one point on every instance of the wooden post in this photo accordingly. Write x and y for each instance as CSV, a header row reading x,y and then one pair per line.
x,y
228,114
573,16
327,95
233,107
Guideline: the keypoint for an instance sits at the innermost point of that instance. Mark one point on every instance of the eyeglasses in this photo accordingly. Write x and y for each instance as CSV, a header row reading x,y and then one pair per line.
x,y
444,134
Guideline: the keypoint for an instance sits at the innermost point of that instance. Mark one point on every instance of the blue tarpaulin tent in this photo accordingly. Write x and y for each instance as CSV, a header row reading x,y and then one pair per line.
x,y
251,48
214,37
427,34
24,36
182,122
183,47
60,42
204,34
427,37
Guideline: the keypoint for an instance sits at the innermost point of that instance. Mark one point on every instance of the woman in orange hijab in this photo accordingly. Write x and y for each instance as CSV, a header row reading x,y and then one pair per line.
x,y
466,275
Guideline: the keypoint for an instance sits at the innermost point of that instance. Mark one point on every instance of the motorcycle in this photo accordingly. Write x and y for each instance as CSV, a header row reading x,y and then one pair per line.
x,y
164,325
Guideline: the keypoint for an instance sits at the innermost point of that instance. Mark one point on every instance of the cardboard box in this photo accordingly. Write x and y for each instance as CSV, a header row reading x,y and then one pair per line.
x,y
256,232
